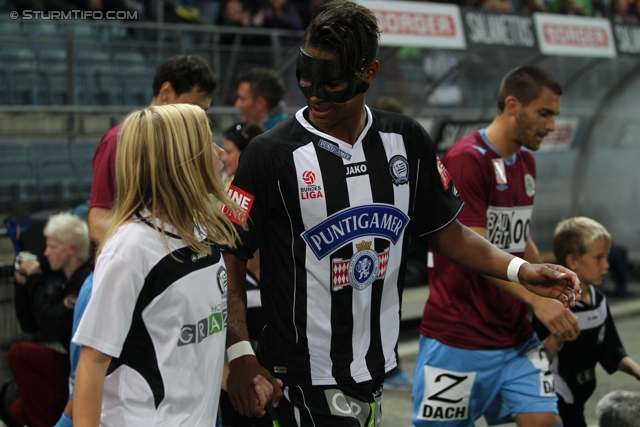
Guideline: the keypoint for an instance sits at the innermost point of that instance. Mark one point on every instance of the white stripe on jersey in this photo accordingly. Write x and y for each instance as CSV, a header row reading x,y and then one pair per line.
x,y
393,145
360,195
318,272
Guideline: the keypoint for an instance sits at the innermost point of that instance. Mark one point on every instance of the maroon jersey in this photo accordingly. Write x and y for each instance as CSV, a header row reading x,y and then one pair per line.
x,y
464,309
103,186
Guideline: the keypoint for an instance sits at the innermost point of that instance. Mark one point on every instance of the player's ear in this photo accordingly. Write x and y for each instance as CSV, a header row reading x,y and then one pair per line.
x,y
370,72
261,102
512,105
572,261
166,95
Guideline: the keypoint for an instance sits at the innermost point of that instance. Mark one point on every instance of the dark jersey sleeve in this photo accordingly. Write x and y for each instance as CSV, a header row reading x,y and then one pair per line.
x,y
613,350
467,171
254,186
437,200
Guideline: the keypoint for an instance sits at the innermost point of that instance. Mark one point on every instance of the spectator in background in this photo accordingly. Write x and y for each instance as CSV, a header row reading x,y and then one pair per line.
x,y
260,92
619,409
531,6
234,140
623,13
41,372
280,14
233,13
572,7
181,79
582,244
503,6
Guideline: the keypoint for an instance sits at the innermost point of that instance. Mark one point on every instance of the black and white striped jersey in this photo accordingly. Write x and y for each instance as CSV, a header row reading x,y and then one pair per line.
x,y
331,220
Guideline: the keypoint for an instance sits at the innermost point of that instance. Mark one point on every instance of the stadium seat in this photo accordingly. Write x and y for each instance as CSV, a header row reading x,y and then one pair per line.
x,y
28,85
81,153
137,85
56,180
50,149
17,175
129,59
10,28
56,173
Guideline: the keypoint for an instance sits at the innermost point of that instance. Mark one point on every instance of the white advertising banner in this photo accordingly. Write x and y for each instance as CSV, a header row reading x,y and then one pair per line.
x,y
561,138
406,23
574,36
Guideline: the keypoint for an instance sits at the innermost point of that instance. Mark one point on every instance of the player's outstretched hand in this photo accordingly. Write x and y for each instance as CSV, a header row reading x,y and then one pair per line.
x,y
551,281
249,397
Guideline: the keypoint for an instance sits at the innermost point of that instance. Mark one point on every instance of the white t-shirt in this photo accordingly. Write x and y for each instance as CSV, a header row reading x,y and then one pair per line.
x,y
164,323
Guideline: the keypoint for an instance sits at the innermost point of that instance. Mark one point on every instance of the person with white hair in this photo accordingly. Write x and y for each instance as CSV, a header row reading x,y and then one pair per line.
x,y
619,409
47,308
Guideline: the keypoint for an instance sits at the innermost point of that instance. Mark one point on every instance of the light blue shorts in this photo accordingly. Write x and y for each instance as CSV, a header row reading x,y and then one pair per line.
x,y
453,387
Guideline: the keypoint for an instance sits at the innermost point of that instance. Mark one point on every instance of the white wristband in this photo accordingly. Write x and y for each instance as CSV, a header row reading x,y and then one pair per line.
x,y
239,349
513,268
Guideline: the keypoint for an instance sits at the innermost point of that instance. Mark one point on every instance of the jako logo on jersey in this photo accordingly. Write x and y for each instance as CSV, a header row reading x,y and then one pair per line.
x,y
333,149
192,334
196,257
243,199
376,219
356,169
310,191
508,228
399,169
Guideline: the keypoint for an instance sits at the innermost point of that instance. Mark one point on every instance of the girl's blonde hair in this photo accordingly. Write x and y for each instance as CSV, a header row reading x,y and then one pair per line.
x,y
165,163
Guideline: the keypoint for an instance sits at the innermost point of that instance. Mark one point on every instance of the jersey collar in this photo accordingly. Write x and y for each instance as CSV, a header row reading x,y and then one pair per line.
x,y
508,162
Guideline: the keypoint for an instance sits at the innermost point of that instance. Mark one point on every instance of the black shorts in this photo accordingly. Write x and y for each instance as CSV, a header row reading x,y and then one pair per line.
x,y
353,405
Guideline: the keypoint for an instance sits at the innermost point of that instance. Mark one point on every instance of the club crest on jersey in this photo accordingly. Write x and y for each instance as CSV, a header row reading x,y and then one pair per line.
x,y
222,280
347,225
333,149
243,199
310,191
362,270
399,169
529,185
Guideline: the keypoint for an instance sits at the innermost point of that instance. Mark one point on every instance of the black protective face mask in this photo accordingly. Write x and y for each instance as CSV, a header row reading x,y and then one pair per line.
x,y
322,71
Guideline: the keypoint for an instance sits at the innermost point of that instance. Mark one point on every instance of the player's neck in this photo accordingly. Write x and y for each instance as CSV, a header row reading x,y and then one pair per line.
x,y
586,294
348,129
500,138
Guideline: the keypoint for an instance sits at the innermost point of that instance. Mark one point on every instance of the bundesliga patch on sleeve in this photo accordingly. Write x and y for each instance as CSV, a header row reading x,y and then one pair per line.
x,y
244,200
444,174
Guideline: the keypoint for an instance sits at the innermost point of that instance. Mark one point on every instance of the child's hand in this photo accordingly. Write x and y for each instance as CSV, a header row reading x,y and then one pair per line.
x,y
264,389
